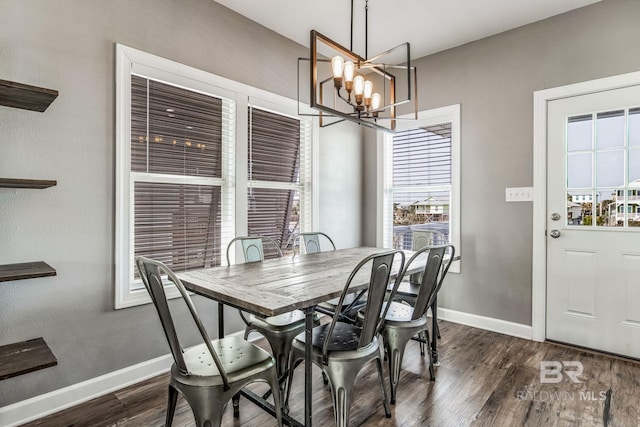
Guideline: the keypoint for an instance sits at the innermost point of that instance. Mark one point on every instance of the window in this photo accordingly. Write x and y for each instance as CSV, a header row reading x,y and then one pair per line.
x,y
177,149
276,156
602,158
182,161
421,179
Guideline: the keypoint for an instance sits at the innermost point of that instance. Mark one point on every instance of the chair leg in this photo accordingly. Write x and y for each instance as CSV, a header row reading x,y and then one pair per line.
x,y
205,412
431,356
171,406
385,401
235,401
341,383
274,383
293,363
395,353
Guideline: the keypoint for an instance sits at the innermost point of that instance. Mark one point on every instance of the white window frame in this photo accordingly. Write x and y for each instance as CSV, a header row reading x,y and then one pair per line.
x,y
234,180
448,114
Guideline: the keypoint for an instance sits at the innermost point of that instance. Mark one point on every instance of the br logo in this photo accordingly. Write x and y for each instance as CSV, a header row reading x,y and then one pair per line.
x,y
551,371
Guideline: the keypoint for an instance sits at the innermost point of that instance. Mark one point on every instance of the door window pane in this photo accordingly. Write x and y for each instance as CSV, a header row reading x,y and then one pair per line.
x,y
610,168
610,129
579,133
579,208
609,208
634,127
634,168
633,207
579,170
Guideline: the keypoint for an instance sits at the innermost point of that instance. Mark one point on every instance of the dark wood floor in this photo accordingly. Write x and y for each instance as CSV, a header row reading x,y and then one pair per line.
x,y
485,379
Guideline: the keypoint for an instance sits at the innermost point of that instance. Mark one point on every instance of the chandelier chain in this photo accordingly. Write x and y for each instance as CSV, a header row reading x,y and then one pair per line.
x,y
366,29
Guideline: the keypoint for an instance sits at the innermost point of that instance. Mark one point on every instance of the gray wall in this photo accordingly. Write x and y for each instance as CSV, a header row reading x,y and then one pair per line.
x,y
494,79
341,184
68,45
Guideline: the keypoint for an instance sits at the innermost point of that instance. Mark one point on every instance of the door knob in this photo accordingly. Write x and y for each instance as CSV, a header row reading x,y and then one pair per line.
x,y
555,234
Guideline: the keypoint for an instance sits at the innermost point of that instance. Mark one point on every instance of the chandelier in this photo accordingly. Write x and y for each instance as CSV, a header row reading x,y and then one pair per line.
x,y
344,85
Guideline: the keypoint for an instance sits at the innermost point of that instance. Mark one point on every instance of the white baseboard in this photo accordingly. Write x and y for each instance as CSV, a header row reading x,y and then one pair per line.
x,y
488,323
57,400
40,406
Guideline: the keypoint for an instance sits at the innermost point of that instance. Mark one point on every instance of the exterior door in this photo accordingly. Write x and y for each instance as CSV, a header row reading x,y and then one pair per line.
x,y
593,221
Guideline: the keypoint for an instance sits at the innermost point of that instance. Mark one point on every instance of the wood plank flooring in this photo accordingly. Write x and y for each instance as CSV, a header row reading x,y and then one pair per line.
x,y
485,379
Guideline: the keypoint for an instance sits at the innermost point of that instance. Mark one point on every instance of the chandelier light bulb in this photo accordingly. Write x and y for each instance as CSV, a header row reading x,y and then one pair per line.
x,y
375,101
348,71
337,64
358,85
368,89
358,88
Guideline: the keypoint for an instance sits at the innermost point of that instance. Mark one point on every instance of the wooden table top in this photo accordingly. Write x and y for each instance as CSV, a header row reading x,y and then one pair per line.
x,y
280,285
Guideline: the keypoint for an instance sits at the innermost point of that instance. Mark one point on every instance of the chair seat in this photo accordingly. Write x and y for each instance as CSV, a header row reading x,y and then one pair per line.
x,y
286,321
345,337
407,288
348,299
399,312
240,359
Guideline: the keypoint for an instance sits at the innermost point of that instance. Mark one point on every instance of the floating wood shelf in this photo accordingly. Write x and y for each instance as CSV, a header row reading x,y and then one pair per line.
x,y
24,357
19,95
27,183
26,270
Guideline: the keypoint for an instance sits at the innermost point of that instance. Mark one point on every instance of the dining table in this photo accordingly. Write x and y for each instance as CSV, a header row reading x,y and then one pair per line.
x,y
280,285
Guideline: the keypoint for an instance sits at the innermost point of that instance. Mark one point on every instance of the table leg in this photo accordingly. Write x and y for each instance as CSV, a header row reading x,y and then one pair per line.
x,y
308,328
220,320
434,331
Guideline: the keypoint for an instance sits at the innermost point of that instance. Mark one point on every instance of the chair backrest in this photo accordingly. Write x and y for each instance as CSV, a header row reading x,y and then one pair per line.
x,y
312,242
252,248
417,239
439,259
372,321
422,238
151,273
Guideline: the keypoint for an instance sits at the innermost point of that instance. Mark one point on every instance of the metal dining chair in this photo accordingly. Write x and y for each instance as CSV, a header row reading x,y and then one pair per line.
x,y
342,349
280,330
416,240
210,374
403,321
317,241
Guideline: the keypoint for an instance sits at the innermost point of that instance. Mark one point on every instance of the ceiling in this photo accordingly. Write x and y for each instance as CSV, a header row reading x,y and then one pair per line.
x,y
428,25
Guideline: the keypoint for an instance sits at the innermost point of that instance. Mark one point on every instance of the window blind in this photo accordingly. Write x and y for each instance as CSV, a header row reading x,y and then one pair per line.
x,y
174,130
422,156
274,175
178,224
274,146
177,138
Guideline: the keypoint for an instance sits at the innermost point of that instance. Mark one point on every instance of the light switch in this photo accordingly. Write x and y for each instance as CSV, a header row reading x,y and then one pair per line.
x,y
519,194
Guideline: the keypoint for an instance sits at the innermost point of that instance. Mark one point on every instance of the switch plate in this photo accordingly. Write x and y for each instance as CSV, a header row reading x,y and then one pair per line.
x,y
519,194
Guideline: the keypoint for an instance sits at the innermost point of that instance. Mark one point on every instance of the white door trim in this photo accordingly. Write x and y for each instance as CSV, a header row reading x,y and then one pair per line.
x,y
540,100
